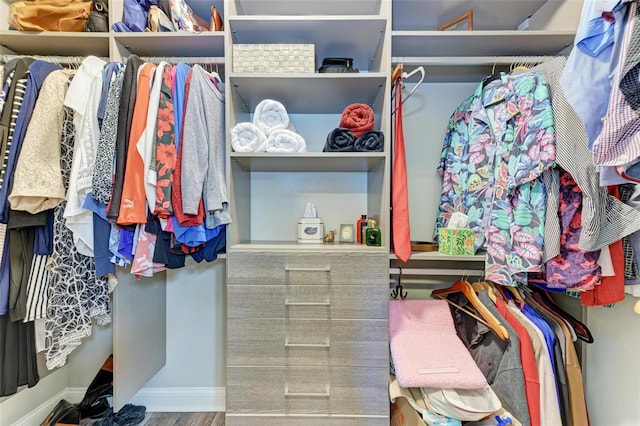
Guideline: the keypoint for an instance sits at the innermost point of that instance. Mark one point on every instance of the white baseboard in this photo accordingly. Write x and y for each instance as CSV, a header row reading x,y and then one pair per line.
x,y
187,400
37,415
154,399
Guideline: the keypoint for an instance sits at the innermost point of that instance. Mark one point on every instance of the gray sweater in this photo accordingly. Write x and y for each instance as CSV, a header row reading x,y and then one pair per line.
x,y
203,146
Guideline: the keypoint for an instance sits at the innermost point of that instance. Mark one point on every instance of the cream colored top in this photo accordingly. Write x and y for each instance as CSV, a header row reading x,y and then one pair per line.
x,y
37,178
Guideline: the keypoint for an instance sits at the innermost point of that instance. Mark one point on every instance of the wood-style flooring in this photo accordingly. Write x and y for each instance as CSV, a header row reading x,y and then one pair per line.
x,y
183,419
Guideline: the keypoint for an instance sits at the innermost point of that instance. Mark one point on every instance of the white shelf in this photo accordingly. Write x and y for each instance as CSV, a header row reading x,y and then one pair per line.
x,y
435,256
276,246
56,43
206,44
365,34
308,7
309,93
479,43
308,161
428,14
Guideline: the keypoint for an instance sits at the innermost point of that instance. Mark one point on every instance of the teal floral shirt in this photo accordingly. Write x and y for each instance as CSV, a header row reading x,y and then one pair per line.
x,y
498,143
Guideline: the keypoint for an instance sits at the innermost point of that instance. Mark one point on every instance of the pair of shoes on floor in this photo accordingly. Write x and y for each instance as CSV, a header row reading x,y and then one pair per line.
x,y
129,415
95,404
64,414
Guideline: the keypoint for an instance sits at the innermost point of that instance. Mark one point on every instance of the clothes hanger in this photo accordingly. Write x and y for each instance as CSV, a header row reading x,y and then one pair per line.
x,y
464,287
582,331
398,76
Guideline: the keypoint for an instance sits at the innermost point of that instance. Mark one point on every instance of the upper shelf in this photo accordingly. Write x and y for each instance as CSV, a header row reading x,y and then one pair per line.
x,y
55,43
308,7
478,43
363,43
173,44
428,14
309,93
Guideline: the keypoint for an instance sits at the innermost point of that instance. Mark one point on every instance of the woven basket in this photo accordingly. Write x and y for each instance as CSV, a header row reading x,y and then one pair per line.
x,y
274,58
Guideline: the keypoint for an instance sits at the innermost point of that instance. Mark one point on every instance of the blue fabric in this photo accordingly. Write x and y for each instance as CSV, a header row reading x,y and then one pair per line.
x,y
211,248
193,236
135,13
586,78
120,27
44,237
179,97
110,69
101,236
4,278
38,72
596,33
116,258
125,243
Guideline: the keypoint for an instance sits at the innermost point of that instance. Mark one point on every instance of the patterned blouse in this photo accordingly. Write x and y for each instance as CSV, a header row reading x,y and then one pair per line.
x,y
498,143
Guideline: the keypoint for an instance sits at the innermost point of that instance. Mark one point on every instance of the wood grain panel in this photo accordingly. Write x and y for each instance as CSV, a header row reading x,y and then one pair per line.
x,y
313,390
304,301
308,268
293,420
280,342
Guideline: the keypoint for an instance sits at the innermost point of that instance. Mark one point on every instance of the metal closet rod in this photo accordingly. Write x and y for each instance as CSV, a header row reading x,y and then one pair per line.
x,y
436,272
212,60
66,60
470,60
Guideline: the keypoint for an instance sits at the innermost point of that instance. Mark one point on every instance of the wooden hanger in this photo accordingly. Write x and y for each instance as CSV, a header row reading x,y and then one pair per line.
x,y
467,290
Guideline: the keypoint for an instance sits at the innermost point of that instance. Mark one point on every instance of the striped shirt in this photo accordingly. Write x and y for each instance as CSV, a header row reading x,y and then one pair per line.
x,y
605,219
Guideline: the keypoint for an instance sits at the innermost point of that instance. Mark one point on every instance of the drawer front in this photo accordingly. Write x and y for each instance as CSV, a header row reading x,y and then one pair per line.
x,y
286,342
305,301
308,390
320,268
293,420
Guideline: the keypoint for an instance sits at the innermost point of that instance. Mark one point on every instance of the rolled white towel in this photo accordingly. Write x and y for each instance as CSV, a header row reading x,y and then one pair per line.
x,y
271,115
245,137
284,140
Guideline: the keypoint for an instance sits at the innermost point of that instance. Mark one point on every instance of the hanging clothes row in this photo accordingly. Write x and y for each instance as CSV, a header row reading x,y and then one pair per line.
x,y
105,164
529,375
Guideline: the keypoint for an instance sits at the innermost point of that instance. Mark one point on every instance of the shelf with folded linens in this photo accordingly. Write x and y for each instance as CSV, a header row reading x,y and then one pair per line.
x,y
308,161
308,93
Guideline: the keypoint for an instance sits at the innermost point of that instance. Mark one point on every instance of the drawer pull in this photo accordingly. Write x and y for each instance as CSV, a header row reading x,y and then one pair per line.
x,y
307,269
325,394
288,344
325,303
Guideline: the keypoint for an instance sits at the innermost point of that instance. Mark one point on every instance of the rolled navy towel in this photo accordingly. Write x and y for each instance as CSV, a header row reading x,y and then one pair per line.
x,y
339,140
371,141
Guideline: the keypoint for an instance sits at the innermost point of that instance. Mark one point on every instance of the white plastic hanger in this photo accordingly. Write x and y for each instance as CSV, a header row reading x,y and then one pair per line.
x,y
399,75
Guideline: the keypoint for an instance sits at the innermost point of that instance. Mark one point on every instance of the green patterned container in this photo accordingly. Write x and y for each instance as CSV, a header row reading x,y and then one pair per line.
x,y
456,241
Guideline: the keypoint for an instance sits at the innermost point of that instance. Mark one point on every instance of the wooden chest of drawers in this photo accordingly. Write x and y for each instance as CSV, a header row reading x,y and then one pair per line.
x,y
307,338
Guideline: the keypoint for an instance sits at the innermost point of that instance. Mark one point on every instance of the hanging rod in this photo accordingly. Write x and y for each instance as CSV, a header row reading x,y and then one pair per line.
x,y
67,60
437,272
469,60
213,60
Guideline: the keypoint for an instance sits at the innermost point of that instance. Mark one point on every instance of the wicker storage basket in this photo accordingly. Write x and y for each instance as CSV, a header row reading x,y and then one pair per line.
x,y
274,58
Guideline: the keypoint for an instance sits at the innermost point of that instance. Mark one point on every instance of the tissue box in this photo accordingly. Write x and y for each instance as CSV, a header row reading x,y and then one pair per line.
x,y
310,230
456,241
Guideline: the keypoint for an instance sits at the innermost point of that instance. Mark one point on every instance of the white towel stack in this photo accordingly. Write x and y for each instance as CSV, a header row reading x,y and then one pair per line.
x,y
270,131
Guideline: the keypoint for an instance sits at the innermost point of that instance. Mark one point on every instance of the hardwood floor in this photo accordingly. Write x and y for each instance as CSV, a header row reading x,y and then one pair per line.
x,y
183,419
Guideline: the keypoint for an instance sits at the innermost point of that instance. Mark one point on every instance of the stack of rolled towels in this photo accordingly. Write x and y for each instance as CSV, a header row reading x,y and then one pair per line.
x,y
355,132
270,131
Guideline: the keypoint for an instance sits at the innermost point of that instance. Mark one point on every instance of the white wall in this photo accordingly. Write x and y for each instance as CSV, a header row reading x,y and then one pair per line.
x,y
612,379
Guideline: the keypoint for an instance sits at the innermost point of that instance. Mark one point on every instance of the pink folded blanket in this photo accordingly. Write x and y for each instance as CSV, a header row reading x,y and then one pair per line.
x,y
358,118
425,348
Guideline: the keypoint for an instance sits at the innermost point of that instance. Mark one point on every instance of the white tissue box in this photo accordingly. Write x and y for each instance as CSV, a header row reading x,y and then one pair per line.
x,y
310,230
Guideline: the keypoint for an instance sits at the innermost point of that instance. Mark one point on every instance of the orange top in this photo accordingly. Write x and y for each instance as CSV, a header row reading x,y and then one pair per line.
x,y
133,203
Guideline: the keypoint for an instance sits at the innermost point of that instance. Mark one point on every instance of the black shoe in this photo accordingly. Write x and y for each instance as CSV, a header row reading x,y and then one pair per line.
x,y
95,404
65,413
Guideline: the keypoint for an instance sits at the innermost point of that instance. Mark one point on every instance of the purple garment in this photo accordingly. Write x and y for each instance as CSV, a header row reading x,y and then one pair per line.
x,y
573,267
